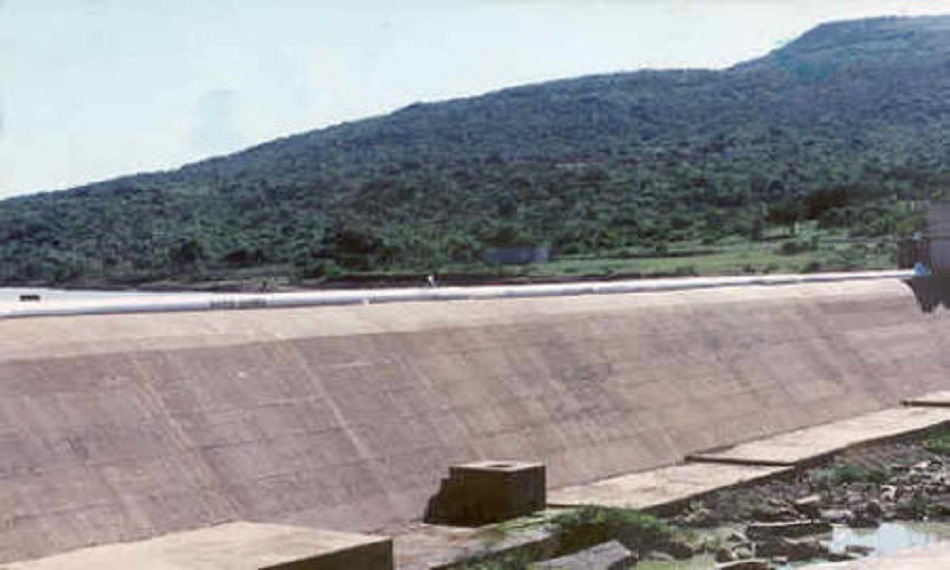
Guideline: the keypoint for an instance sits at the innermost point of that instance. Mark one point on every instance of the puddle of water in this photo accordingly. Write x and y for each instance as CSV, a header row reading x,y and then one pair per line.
x,y
890,536
886,539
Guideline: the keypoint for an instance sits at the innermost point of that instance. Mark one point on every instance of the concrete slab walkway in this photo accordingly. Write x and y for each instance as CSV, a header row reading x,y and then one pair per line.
x,y
659,488
231,546
934,399
426,547
815,443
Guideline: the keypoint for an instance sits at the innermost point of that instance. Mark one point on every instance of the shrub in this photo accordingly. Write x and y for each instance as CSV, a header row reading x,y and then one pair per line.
x,y
795,247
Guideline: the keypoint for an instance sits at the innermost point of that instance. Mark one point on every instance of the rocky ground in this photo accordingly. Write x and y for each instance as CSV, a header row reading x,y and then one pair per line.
x,y
787,520
768,525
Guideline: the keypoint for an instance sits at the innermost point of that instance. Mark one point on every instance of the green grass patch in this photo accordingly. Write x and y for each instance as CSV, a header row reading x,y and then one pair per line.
x,y
843,473
587,526
809,251
938,443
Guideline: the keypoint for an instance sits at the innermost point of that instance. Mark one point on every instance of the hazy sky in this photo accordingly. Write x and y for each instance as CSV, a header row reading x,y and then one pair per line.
x,y
93,89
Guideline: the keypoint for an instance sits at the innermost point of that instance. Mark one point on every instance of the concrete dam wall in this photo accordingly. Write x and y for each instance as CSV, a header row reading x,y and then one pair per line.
x,y
121,427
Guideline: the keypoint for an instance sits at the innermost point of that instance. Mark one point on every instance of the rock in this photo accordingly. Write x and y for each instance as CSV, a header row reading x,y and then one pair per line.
x,y
790,529
773,513
793,549
678,549
701,518
607,556
888,493
841,556
873,509
743,552
736,536
862,520
657,556
855,499
809,506
725,554
837,515
940,509
706,545
907,509
859,549
752,564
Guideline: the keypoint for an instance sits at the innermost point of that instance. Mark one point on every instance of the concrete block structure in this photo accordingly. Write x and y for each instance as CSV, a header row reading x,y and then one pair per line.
x,y
485,492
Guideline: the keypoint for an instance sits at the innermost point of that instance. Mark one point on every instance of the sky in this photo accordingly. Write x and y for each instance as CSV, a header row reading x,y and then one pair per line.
x,y
95,89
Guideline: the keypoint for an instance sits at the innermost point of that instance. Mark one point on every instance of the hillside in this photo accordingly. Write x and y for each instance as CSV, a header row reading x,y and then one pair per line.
x,y
845,127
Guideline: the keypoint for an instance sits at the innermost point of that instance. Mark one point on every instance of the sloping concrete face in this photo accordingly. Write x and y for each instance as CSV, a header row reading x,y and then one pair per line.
x,y
117,428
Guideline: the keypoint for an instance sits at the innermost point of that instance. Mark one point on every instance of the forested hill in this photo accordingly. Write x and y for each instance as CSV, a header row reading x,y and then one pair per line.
x,y
846,126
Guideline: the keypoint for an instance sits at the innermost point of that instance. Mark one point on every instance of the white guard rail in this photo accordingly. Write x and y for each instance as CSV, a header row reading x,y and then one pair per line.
x,y
158,303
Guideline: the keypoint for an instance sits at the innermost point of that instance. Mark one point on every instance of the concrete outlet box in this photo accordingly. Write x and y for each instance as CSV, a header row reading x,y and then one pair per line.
x,y
485,492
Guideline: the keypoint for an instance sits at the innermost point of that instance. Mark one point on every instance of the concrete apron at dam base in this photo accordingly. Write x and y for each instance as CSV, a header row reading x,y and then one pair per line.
x,y
124,427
